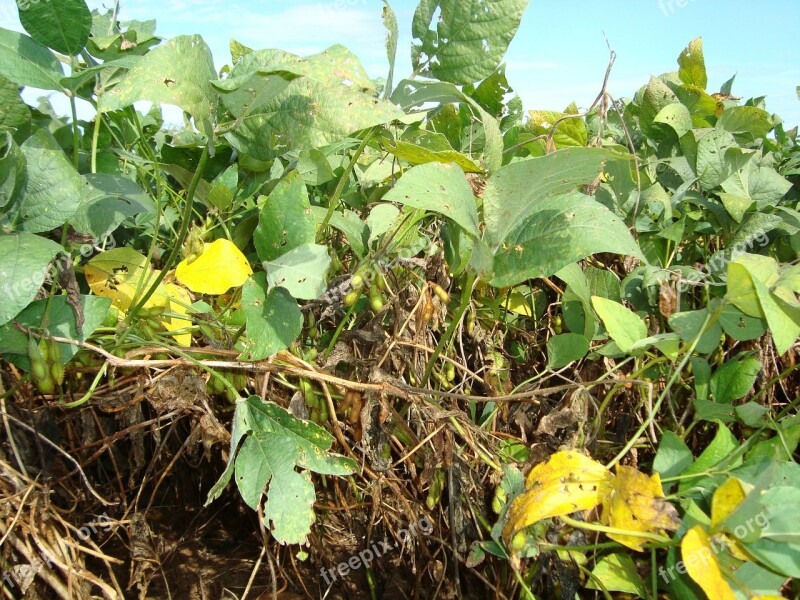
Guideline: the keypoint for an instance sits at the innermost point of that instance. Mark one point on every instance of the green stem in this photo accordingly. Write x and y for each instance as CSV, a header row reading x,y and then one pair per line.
x,y
673,378
466,296
337,193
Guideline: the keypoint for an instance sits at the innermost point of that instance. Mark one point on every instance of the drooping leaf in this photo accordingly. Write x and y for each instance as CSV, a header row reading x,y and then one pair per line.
x,y
107,201
421,147
178,72
62,25
54,188
439,188
568,482
274,320
179,300
119,273
617,573
24,259
220,267
636,503
700,560
275,447
469,39
12,169
392,33
26,62
302,271
623,325
285,221
14,113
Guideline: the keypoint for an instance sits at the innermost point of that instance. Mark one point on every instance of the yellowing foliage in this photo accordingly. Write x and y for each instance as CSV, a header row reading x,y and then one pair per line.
x,y
569,482
701,563
636,503
220,267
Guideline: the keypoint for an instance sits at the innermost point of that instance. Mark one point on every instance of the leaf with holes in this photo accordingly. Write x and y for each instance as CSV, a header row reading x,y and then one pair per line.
x,y
302,271
470,39
286,220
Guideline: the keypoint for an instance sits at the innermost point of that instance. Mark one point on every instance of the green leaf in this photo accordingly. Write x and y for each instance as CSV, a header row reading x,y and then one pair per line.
x,y
753,184
12,170
623,325
652,99
692,64
677,116
419,147
62,323
688,325
566,348
750,279
518,188
23,265
350,224
285,221
277,445
470,39
714,164
178,72
28,63
617,573
274,320
570,132
751,120
107,201
281,102
439,188
14,113
62,25
735,378
720,448
302,271
392,33
54,188
556,232
673,456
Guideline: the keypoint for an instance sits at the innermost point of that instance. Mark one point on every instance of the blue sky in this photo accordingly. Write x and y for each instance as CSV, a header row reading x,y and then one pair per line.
x,y
559,54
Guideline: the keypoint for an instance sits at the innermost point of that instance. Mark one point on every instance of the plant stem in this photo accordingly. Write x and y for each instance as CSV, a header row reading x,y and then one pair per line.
x,y
337,193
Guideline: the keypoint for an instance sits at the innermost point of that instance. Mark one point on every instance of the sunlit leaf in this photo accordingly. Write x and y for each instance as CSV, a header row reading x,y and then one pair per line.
x,y
220,267
700,560
568,482
636,503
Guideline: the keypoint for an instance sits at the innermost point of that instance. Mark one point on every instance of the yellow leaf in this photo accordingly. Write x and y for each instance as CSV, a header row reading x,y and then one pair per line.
x,y
178,298
636,503
117,273
518,303
701,564
725,500
220,267
566,483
